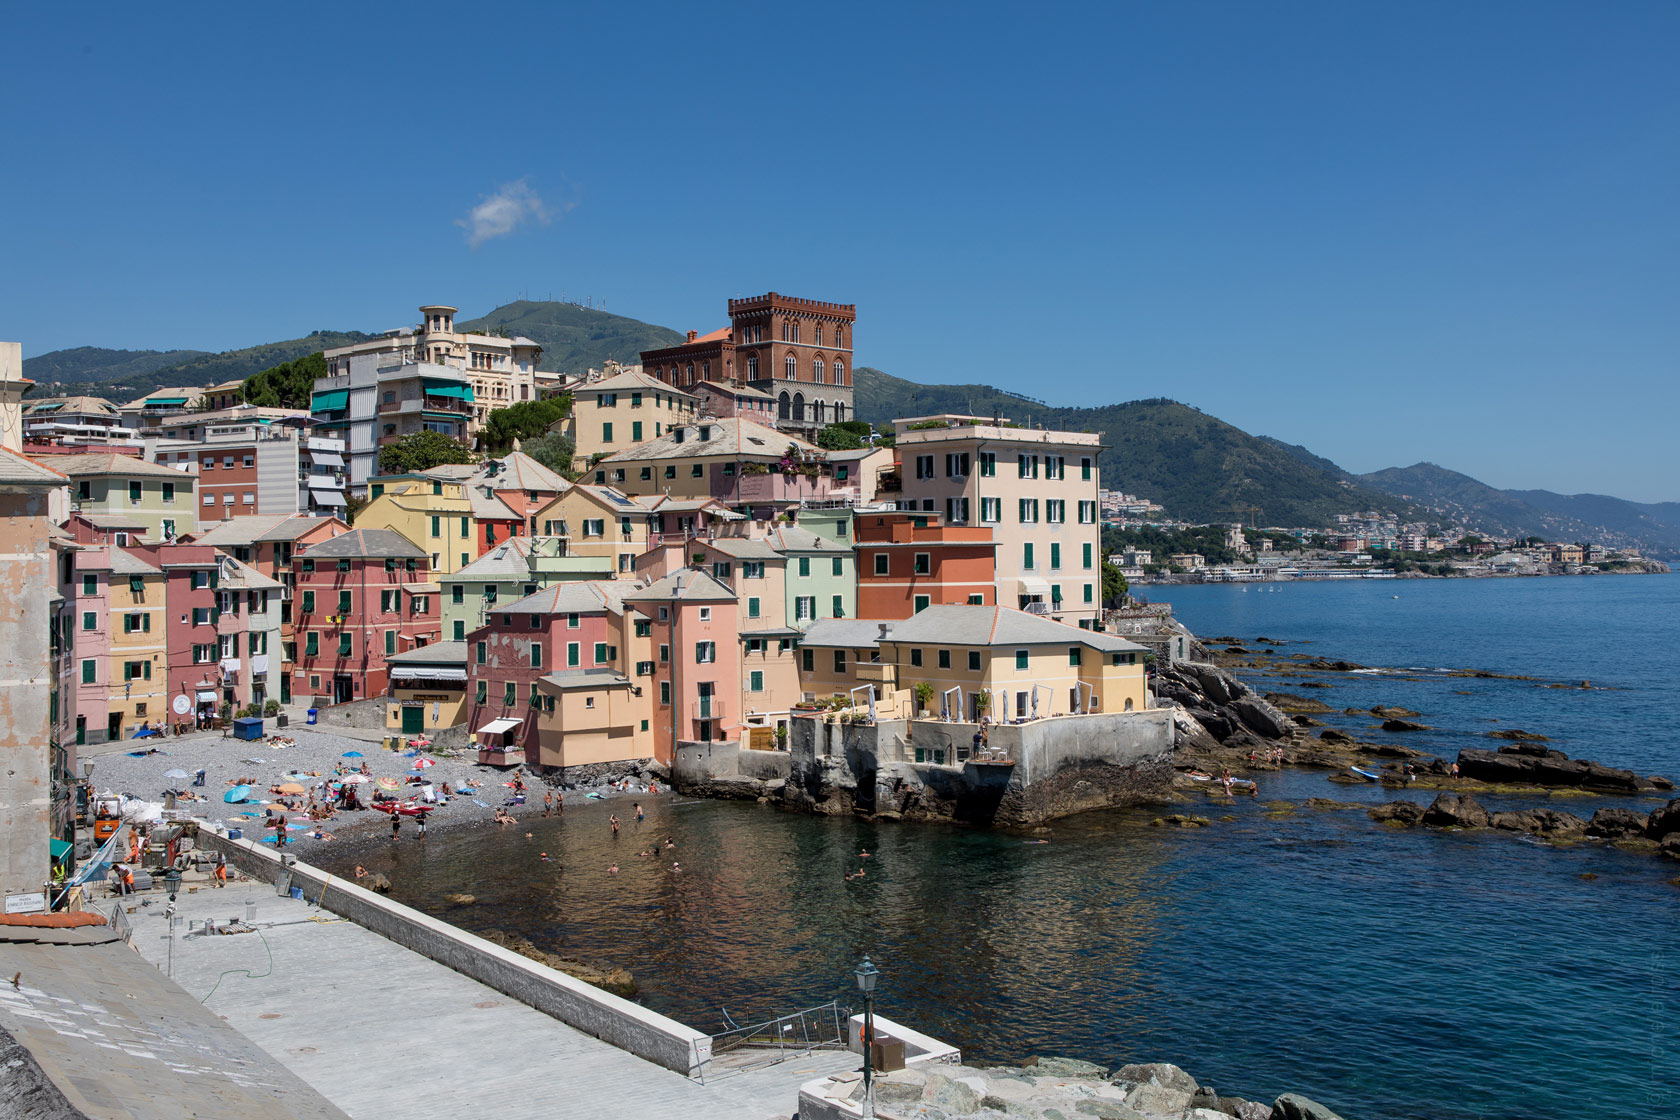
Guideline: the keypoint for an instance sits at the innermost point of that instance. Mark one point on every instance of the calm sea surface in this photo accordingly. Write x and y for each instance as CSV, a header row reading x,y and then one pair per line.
x,y
1389,974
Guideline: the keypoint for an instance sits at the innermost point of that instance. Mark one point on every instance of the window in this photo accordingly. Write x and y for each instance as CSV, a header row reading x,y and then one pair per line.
x,y
466,528
755,681
1086,549
89,669
209,498
1087,593
1073,655
1055,510
390,641
804,566
664,655
344,645
509,694
837,566
437,526
1026,466
344,602
534,621
1029,511
647,472
991,510
670,470
664,692
311,644
924,467
806,660
134,493
988,464
572,654
90,620
804,608
944,659
752,569
573,621
536,655
479,652
956,509
169,492
595,527
1027,556
1085,469
839,607
1055,556
482,692
606,433
308,565
974,661
839,661
924,563
460,630
705,652
603,653
698,470
752,607
881,562
344,565
1022,660
1053,467
644,628
636,431
921,603
1087,513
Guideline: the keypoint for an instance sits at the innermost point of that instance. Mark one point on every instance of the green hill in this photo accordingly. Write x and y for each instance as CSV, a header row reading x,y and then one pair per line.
x,y
64,371
1199,467
94,372
573,338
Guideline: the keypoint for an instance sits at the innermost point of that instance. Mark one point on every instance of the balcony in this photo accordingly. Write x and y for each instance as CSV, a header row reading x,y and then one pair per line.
x,y
884,672
414,405
710,707
889,482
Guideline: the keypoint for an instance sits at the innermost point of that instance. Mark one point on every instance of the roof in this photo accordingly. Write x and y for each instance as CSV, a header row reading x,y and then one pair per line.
x,y
20,470
687,584
183,393
617,500
629,382
959,625
369,543
240,530
510,559
735,389
719,335
242,577
109,463
447,472
490,506
731,436
791,538
63,405
438,653
521,472
576,597
772,632
125,563
585,678
843,633
110,520
296,526
742,548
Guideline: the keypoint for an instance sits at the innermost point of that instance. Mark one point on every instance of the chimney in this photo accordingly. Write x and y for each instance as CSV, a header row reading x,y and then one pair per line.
x,y
885,632
692,335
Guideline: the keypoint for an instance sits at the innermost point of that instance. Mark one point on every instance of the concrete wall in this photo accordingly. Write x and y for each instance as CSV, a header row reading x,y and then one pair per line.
x,y
27,576
611,1019
695,764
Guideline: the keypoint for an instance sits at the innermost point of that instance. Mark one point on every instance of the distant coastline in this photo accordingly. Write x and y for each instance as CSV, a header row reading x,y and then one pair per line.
x,y
1634,568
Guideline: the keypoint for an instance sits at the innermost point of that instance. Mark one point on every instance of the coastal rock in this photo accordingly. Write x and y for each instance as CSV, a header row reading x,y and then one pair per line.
x,y
1333,735
1398,812
1164,1074
1617,824
1289,702
1262,718
1179,820
1403,725
618,981
378,883
1530,764
1517,734
1158,1100
1656,781
1664,822
1327,804
1382,712
1246,1110
1334,666
1293,1106
1306,721
1452,811
1066,1067
952,1097
1549,823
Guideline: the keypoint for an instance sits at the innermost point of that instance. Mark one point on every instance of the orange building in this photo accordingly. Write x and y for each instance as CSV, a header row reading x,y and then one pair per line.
x,y
909,561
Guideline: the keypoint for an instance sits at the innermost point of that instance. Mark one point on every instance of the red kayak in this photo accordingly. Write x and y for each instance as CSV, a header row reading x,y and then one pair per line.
x,y
407,809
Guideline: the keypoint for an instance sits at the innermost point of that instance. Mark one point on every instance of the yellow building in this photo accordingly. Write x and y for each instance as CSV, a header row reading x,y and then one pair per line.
x,y
600,521
622,411
139,624
736,461
428,689
996,661
597,715
436,515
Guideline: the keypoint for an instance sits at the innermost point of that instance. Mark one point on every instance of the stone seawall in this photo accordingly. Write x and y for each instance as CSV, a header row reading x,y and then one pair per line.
x,y
1033,772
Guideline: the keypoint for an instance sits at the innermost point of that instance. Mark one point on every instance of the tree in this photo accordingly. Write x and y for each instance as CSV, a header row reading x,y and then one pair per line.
x,y
421,451
287,385
837,438
354,504
554,451
1113,585
885,435
527,420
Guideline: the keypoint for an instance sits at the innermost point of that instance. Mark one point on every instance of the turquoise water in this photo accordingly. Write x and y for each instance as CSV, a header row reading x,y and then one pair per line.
x,y
1389,974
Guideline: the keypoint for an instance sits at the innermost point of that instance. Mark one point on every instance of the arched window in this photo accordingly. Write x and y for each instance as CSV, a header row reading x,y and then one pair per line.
x,y
817,410
839,412
839,372
799,407
782,412
817,370
839,337
706,370
818,338
752,367
790,368
691,373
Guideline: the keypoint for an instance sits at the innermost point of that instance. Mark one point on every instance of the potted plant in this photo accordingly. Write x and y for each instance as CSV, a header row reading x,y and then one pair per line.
x,y
924,696
781,737
982,702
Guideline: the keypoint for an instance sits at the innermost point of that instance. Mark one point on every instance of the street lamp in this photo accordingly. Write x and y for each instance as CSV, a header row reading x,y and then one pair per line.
x,y
867,974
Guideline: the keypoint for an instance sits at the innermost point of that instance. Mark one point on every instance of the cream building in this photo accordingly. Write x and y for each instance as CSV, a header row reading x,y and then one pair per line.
x,y
621,411
1035,489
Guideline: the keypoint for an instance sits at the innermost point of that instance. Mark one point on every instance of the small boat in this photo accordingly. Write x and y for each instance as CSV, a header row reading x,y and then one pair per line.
x,y
1368,775
406,808
237,794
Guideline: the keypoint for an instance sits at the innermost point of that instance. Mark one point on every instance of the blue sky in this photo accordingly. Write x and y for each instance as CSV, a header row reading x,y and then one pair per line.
x,y
1388,232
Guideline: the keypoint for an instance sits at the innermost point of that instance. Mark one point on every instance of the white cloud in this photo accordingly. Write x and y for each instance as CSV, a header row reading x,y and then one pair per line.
x,y
499,214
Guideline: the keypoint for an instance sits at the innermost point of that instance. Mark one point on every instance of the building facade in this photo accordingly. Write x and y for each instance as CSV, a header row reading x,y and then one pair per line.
x,y
113,485
907,562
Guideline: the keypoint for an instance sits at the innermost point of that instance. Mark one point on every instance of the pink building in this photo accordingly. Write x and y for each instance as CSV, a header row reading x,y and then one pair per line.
x,y
697,670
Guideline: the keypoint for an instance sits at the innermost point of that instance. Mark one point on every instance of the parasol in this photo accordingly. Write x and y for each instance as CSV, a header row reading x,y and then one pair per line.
x,y
176,774
422,763
351,754
237,794
356,779
389,784
291,787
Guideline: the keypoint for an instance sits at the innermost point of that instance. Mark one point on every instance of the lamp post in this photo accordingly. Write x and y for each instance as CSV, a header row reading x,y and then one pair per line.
x,y
867,974
172,884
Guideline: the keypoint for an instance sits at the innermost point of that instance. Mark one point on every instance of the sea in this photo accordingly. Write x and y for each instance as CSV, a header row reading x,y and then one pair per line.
x,y
1386,973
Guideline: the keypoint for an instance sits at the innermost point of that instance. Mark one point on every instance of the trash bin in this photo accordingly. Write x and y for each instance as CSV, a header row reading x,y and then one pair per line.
x,y
313,712
887,1055
248,727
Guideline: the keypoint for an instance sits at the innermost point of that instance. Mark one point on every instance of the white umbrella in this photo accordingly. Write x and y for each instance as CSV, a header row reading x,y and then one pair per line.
x,y
422,763
356,779
176,774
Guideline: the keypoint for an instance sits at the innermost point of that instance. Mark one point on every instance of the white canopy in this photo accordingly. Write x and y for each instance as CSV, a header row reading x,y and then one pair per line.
x,y
411,673
497,726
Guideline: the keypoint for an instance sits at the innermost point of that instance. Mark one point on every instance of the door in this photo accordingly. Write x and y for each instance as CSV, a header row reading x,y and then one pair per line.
x,y
705,709
113,726
413,720
341,690
81,730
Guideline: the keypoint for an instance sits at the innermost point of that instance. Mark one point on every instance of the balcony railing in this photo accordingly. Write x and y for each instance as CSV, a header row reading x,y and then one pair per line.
x,y
710,707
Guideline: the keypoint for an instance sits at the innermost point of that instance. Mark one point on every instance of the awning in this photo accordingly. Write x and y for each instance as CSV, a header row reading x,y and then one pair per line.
x,y
330,401
329,497
60,848
434,387
326,458
497,726
206,697
1032,585
159,402
406,673
324,482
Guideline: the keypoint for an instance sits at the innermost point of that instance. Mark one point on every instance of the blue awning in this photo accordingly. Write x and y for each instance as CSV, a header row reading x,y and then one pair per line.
x,y
436,387
331,401
60,848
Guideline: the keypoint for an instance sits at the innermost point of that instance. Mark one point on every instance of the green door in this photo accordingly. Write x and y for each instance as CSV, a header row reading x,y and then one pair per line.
x,y
414,720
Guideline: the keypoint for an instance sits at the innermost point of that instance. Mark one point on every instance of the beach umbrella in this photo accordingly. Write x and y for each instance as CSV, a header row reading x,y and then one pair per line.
x,y
291,787
351,754
422,763
356,779
237,794
176,774
389,784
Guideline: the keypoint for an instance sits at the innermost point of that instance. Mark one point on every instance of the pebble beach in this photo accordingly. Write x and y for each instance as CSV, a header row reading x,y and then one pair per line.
x,y
317,755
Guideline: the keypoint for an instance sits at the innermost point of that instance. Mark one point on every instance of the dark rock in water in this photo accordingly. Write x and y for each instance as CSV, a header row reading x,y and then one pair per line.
x,y
1237,649
1401,812
1065,1067
1293,1106
1549,823
1334,666
1306,721
1518,735
1452,811
1382,712
1332,735
1402,725
378,883
1664,822
1670,845
1528,764
1389,750
1345,780
1617,824
1291,703
1656,781
1327,804
1532,750
1179,820
1217,725
1262,718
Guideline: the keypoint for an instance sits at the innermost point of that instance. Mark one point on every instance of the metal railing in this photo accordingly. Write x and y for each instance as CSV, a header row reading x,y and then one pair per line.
x,y
816,1028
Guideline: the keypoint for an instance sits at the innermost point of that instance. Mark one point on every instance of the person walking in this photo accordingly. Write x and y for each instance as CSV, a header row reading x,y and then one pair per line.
x,y
280,831
548,803
640,816
420,822
220,868
613,820
396,825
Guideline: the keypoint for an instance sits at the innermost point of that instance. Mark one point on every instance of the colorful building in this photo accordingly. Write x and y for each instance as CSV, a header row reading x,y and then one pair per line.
x,y
428,689
746,466
621,411
113,485
359,597
509,572
694,626
907,562
434,514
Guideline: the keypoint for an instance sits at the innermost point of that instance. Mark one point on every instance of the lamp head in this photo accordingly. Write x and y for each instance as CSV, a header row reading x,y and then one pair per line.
x,y
867,974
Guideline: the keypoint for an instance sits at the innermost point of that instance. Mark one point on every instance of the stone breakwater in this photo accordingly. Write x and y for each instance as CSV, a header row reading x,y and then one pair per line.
x,y
1657,831
1050,1089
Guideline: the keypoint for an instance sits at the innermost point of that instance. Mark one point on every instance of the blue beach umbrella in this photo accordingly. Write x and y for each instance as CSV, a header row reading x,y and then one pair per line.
x,y
351,754
237,794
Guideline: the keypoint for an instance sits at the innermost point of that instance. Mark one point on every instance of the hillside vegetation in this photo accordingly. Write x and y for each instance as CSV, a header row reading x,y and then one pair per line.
x,y
573,338
62,370
1199,467
93,377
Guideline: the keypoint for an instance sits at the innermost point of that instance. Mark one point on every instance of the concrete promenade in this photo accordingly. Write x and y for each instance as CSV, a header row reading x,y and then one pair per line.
x,y
380,1030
